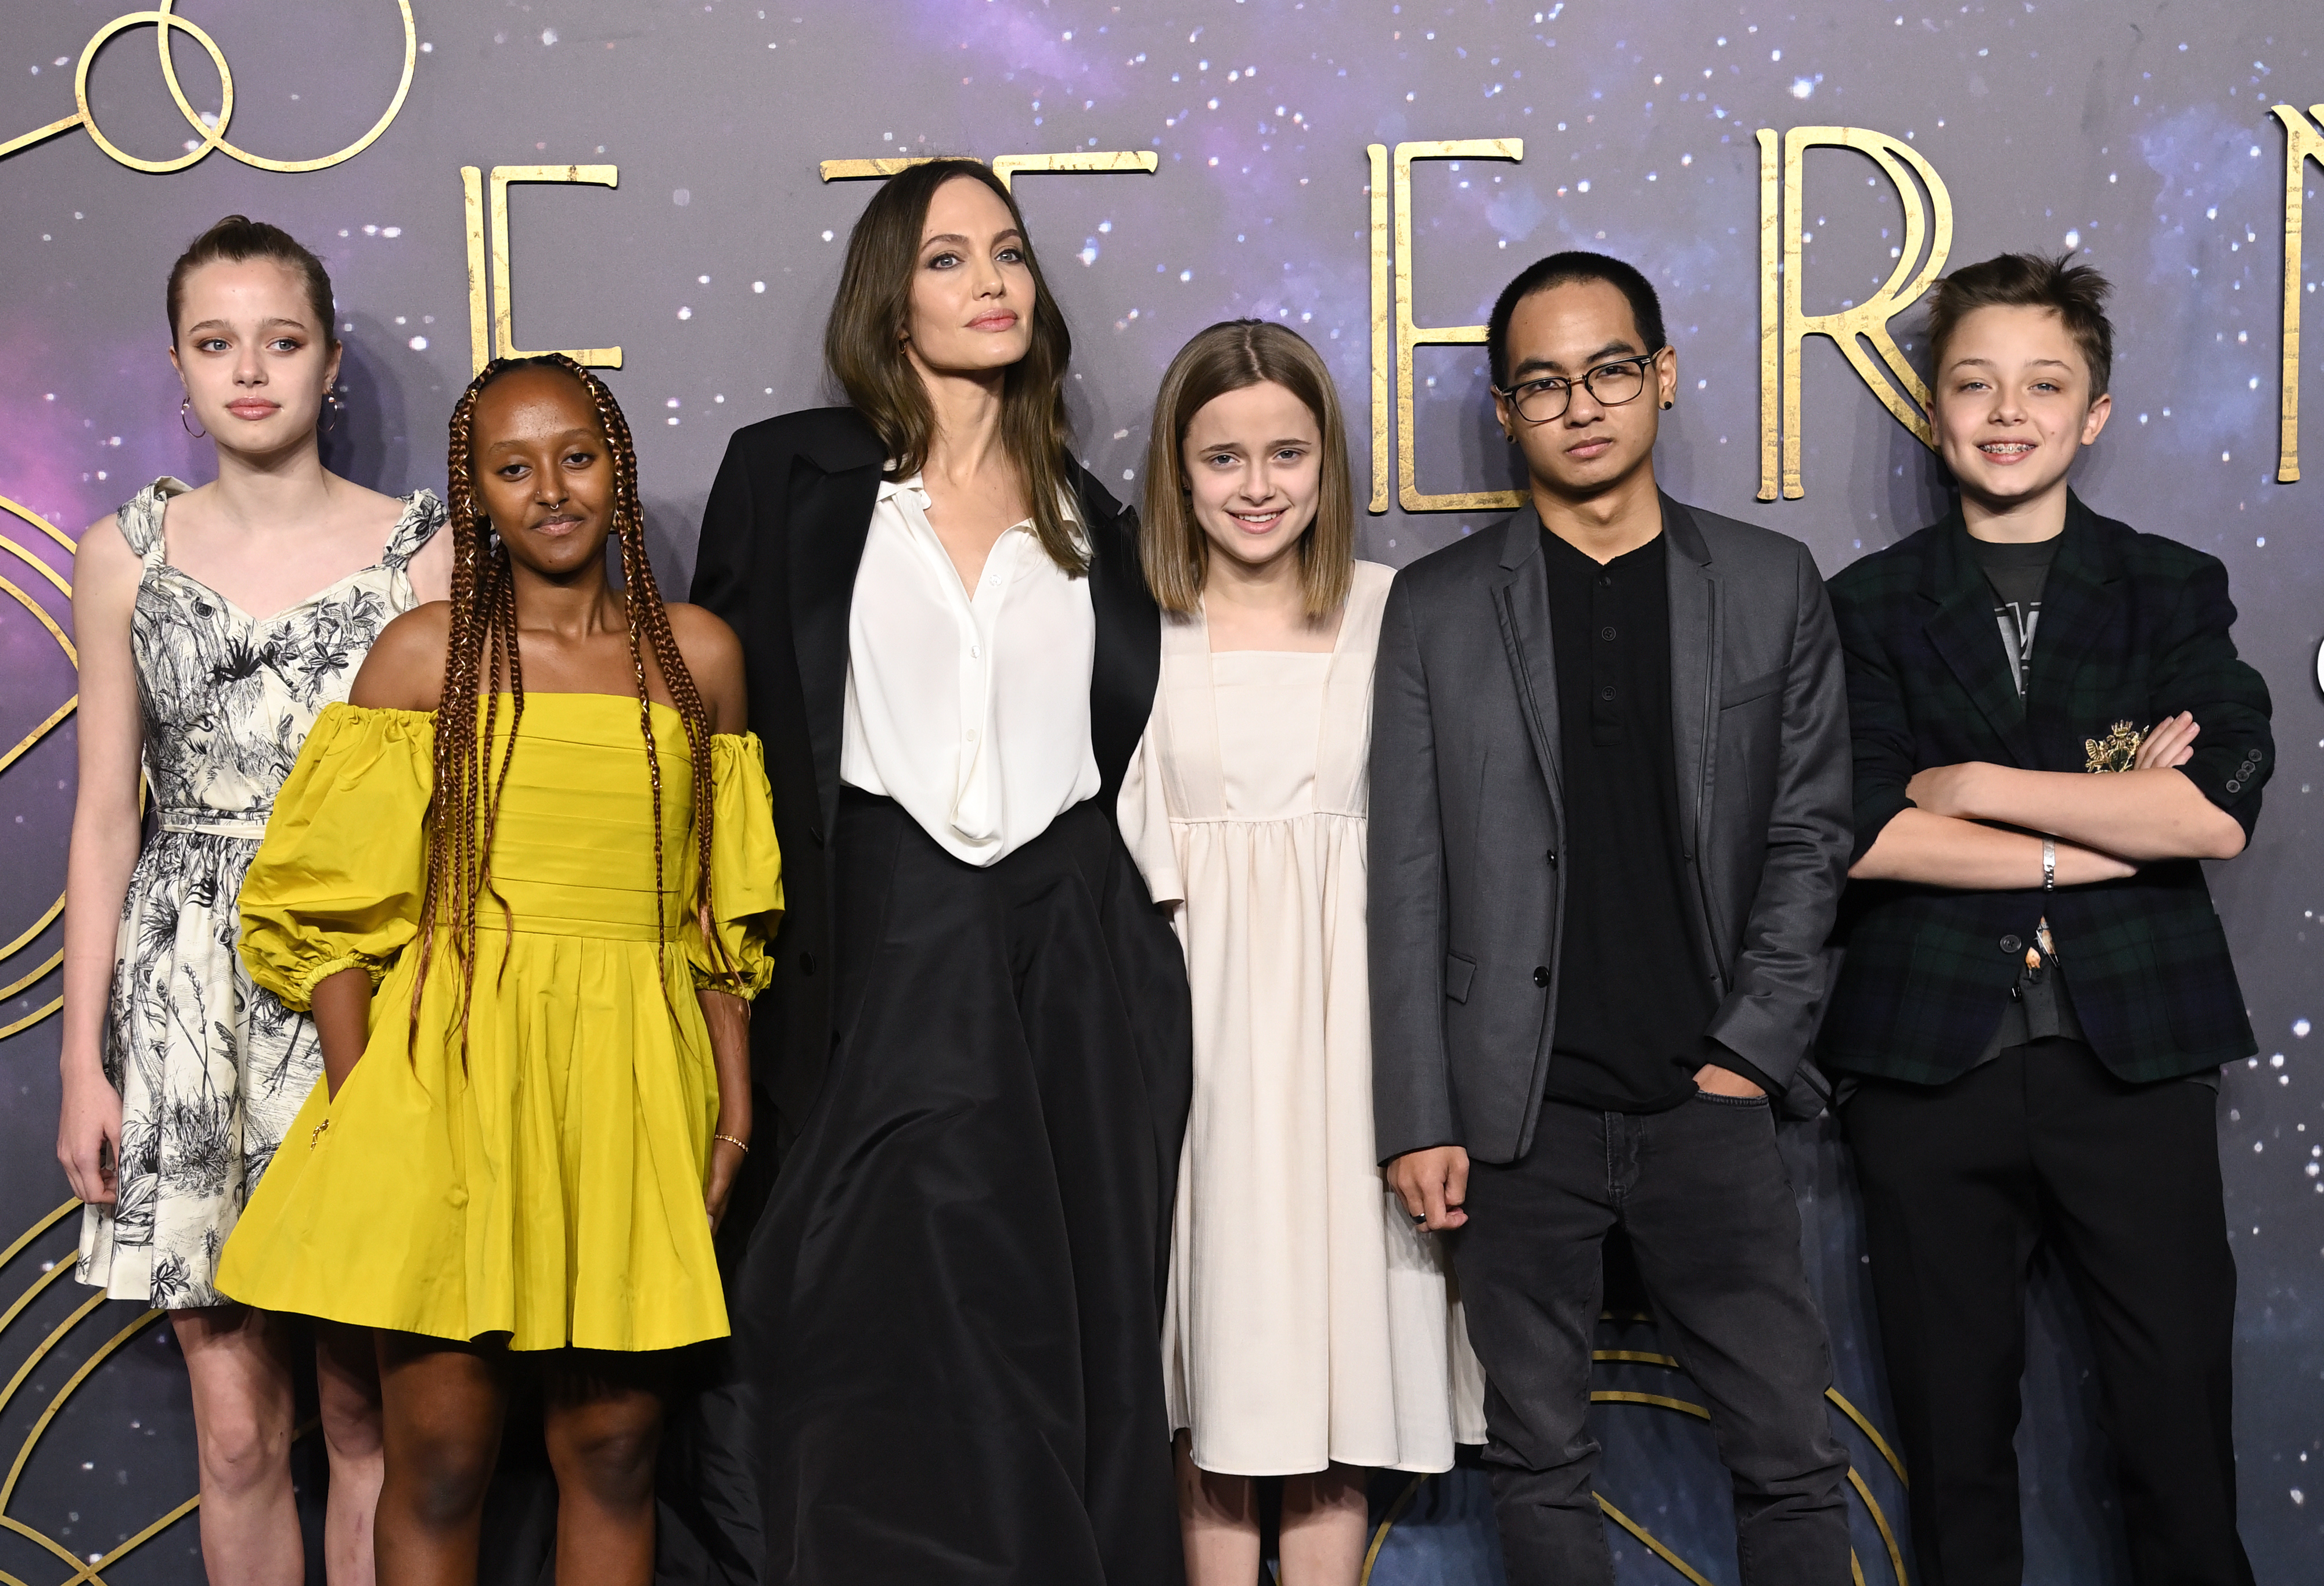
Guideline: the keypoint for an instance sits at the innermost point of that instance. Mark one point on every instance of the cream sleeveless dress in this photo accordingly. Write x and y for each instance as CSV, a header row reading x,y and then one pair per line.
x,y
1306,1324
211,1068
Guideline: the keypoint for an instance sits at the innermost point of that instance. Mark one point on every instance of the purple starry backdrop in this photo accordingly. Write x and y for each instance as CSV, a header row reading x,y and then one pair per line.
x,y
2137,134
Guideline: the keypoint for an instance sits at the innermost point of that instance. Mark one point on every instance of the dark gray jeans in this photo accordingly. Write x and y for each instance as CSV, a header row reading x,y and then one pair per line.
x,y
1701,1192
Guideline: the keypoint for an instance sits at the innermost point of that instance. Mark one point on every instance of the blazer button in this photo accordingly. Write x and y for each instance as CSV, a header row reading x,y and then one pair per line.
x,y
2234,786
2011,945
1540,976
807,963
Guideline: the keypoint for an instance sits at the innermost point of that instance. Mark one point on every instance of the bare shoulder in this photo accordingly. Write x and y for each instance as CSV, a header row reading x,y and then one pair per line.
x,y
405,668
715,658
103,552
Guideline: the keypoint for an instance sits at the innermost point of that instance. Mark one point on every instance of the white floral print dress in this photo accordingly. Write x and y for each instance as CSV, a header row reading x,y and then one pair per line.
x,y
211,1069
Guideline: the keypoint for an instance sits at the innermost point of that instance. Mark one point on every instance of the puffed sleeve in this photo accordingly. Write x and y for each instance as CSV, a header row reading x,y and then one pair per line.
x,y
338,879
746,870
1142,811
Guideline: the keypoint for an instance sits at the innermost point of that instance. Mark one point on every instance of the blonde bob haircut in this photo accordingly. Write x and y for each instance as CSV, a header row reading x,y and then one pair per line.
x,y
1230,355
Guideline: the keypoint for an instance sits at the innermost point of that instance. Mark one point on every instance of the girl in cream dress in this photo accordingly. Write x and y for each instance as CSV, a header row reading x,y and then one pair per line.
x,y
1309,1331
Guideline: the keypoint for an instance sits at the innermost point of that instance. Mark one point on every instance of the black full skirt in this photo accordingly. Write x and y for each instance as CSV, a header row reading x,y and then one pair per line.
x,y
946,1363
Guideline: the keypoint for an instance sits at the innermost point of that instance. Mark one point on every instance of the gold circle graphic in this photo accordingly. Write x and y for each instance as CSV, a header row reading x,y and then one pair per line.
x,y
162,20
217,138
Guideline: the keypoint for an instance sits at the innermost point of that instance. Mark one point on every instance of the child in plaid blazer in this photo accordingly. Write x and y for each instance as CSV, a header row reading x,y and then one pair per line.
x,y
2051,729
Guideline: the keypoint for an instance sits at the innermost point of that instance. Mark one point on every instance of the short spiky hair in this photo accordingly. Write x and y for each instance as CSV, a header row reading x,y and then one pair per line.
x,y
1558,269
2076,294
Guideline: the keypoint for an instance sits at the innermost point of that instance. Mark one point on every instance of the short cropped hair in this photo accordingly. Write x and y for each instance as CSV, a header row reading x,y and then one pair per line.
x,y
2076,294
1558,269
1232,356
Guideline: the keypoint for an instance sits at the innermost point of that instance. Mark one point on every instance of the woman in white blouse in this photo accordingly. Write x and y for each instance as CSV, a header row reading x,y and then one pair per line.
x,y
977,1052
1310,1332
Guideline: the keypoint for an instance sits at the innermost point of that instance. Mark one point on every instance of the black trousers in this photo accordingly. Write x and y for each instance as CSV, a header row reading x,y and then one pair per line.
x,y
951,1310
1962,1184
1704,1195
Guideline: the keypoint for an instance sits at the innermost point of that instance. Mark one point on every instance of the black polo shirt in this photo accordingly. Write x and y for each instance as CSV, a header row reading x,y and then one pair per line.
x,y
1633,996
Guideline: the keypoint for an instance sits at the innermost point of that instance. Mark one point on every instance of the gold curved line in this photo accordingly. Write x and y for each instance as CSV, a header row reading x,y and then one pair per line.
x,y
38,133
86,1575
394,107
38,565
1653,1544
1608,1395
38,1228
32,1438
1865,1426
47,621
211,136
39,1286
1879,1524
40,1352
20,510
8,1580
56,717
38,925
30,1020
41,973
1636,1357
45,1540
1380,1538
1855,1568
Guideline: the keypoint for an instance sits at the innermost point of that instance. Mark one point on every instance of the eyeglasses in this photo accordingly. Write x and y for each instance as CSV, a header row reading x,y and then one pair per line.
x,y
1537,401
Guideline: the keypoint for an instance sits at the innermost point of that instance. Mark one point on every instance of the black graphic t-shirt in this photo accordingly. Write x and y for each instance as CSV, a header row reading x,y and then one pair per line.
x,y
2016,571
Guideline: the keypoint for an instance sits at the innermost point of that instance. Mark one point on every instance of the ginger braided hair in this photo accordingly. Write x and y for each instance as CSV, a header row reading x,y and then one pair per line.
x,y
481,649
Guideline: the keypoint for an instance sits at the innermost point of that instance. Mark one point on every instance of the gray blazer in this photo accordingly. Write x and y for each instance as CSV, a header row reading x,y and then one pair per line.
x,y
1466,818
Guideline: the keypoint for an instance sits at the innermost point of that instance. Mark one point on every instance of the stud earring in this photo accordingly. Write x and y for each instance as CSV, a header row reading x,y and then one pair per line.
x,y
185,416
1668,406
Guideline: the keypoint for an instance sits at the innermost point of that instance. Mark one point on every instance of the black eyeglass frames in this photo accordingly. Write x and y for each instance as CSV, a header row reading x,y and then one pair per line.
x,y
1611,384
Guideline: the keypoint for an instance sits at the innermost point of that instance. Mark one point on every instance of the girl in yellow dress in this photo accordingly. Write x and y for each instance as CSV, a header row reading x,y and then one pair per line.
x,y
524,880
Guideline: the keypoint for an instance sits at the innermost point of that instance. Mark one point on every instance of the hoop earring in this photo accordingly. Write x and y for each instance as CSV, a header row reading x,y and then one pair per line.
x,y
185,412
334,409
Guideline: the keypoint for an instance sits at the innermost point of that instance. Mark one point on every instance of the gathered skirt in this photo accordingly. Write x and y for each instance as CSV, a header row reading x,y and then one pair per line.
x,y
949,1309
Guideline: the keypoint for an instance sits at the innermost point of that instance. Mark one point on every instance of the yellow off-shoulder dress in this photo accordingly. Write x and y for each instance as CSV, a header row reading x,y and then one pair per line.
x,y
543,1178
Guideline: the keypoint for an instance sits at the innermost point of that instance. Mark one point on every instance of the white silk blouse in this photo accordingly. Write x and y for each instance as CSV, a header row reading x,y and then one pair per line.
x,y
971,711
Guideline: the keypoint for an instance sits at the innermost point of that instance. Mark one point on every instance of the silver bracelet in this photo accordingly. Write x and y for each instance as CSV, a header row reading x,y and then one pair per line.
x,y
2049,864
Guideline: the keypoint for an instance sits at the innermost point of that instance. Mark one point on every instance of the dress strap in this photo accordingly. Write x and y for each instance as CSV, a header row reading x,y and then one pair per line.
x,y
423,515
1343,763
139,517
1188,714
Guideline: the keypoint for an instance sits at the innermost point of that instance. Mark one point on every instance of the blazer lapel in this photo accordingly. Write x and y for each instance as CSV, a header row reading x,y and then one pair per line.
x,y
1522,597
1694,641
1962,631
830,520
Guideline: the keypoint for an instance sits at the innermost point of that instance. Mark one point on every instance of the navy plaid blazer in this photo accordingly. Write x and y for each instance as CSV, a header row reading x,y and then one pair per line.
x,y
2134,628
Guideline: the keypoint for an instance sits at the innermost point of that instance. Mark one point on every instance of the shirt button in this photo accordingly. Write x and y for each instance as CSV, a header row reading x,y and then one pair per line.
x,y
2011,945
1606,632
970,735
975,653
1540,976
1607,692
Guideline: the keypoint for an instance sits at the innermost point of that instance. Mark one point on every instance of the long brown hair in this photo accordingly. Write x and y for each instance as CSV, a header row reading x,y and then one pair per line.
x,y
483,648
863,344
1232,356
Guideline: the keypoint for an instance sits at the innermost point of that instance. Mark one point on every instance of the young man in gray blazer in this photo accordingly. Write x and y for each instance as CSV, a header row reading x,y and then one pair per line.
x,y
1610,820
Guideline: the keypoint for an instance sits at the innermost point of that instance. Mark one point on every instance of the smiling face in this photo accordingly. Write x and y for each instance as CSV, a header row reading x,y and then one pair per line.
x,y
1254,471
254,362
1564,332
543,471
971,302
2013,405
